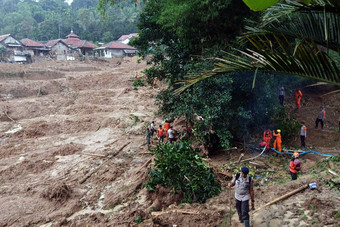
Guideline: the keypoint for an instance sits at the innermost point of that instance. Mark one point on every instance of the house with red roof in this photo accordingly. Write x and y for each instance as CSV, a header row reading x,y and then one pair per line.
x,y
11,49
116,49
126,38
35,48
74,42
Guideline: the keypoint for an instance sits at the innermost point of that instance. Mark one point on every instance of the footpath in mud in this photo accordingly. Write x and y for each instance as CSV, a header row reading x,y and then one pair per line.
x,y
73,153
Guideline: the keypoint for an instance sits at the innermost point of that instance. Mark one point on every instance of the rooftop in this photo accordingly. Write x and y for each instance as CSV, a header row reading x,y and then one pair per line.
x,y
31,43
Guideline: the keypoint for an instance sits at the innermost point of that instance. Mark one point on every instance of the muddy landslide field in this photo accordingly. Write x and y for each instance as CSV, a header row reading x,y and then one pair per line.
x,y
73,153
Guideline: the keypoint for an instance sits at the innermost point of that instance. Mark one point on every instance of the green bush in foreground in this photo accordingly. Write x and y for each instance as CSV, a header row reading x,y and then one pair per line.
x,y
179,166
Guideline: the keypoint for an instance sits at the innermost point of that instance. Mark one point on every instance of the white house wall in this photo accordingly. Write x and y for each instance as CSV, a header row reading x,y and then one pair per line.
x,y
115,52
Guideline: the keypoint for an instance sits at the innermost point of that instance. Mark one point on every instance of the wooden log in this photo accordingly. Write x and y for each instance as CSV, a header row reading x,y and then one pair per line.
x,y
157,213
144,165
95,155
283,197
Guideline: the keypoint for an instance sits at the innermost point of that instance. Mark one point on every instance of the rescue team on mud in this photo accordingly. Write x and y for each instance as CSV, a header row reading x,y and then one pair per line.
x,y
244,190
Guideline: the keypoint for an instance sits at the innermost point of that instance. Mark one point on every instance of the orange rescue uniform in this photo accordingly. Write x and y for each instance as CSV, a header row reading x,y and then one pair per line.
x,y
298,95
166,127
267,137
277,142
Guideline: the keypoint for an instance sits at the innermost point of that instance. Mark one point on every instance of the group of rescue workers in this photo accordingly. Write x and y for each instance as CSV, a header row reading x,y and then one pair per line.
x,y
162,132
244,184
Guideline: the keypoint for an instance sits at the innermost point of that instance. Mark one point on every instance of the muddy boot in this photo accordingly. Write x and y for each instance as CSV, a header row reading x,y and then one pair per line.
x,y
240,217
246,223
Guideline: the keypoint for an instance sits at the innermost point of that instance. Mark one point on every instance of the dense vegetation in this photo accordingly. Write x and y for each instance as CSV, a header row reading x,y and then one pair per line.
x,y
179,166
221,110
52,19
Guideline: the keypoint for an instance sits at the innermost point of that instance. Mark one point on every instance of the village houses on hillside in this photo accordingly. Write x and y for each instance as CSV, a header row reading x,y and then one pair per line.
x,y
71,48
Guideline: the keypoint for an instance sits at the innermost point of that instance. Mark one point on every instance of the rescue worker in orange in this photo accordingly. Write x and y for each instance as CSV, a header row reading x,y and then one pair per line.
x,y
267,137
278,141
160,134
166,127
295,165
298,96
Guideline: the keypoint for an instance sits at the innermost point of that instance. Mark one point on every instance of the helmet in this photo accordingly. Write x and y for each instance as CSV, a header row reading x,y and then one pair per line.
x,y
245,170
297,162
296,154
278,130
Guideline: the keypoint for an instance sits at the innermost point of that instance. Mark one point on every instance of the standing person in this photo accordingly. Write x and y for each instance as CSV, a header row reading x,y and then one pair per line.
x,y
166,127
160,134
243,192
295,165
153,129
267,137
281,95
148,137
278,141
321,117
298,96
171,135
303,134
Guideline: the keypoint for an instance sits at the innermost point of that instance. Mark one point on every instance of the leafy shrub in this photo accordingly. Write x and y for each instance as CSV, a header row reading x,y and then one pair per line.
x,y
138,83
177,165
288,125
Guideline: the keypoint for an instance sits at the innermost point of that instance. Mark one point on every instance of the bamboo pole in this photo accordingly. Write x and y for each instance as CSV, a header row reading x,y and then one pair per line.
x,y
283,197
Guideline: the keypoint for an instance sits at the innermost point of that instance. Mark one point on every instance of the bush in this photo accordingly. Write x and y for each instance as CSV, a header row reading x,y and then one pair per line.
x,y
179,166
288,125
138,83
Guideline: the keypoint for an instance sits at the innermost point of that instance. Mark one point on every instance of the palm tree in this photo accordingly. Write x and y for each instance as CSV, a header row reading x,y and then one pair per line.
x,y
292,38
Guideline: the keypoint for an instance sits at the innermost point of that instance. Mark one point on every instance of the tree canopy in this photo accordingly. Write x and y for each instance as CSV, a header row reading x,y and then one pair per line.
x,y
52,19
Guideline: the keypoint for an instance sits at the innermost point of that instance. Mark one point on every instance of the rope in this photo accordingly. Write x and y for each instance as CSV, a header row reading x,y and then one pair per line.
x,y
305,152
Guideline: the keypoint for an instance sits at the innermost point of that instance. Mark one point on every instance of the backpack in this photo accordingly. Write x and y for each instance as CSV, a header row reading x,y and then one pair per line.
x,y
238,176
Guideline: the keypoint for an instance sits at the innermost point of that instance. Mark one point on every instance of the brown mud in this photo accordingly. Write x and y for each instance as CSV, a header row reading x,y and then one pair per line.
x,y
73,153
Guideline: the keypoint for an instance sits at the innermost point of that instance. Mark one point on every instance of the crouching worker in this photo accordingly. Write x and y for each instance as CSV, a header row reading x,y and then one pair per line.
x,y
243,192
295,165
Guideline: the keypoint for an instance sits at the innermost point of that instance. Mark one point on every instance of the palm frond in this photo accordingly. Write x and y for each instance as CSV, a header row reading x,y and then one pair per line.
x,y
296,20
289,7
276,55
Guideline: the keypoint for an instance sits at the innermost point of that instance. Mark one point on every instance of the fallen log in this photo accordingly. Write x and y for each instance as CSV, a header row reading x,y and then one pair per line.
x,y
104,163
283,197
157,213
144,165
95,155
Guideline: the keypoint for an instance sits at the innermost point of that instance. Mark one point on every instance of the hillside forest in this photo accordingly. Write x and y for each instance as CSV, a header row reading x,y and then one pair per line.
x,y
52,19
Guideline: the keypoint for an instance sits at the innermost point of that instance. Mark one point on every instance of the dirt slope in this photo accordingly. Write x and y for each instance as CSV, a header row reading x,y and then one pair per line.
x,y
72,153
